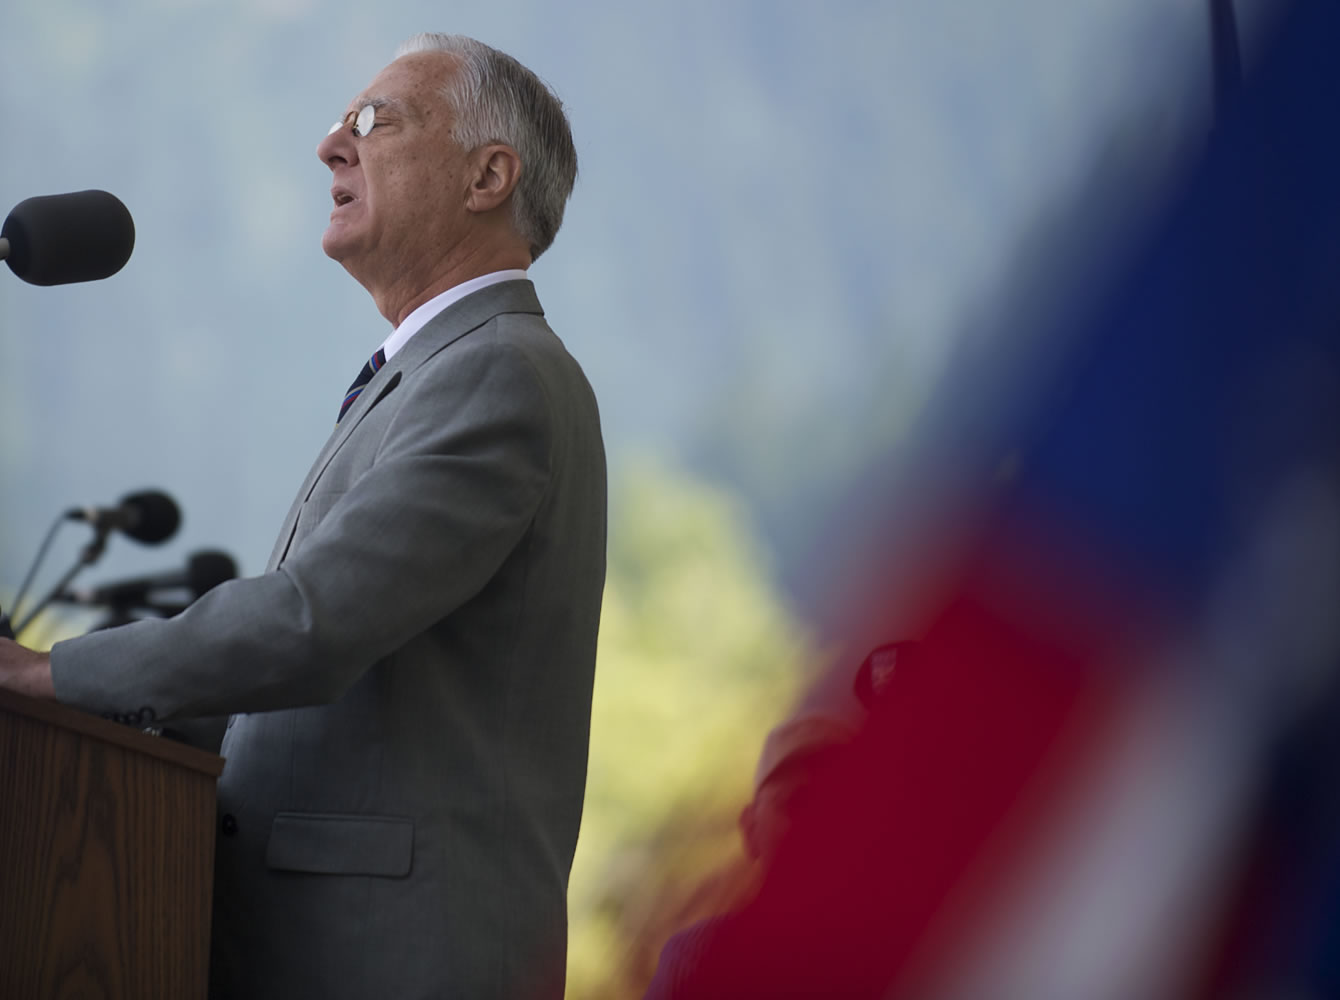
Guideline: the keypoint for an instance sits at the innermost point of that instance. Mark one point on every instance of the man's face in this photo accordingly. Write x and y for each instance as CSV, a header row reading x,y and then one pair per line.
x,y
398,191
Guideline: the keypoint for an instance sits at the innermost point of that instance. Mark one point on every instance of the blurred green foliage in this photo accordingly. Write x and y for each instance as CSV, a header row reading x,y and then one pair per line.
x,y
698,659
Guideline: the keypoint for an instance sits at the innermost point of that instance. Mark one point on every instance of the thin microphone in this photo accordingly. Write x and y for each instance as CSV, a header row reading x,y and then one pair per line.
x,y
203,572
56,239
149,516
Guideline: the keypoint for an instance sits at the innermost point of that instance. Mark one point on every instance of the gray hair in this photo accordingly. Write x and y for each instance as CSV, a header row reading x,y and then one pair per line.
x,y
493,98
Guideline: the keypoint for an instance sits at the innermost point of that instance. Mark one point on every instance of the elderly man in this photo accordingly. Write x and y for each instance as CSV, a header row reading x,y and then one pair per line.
x,y
409,683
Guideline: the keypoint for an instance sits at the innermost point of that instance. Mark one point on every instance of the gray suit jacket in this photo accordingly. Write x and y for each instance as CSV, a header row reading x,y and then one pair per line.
x,y
401,798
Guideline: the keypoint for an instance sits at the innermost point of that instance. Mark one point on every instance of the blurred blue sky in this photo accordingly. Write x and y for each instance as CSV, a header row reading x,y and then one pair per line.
x,y
786,215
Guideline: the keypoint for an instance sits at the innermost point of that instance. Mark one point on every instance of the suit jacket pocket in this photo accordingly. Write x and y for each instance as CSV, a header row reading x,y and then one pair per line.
x,y
341,845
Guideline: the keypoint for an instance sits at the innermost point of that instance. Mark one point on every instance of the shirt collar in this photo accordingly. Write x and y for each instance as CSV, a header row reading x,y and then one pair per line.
x,y
419,318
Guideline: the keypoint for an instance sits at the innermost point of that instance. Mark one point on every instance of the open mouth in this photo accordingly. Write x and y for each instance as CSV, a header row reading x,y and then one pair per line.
x,y
342,198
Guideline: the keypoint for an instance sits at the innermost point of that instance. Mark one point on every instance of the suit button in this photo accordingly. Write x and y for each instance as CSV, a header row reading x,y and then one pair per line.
x,y
228,825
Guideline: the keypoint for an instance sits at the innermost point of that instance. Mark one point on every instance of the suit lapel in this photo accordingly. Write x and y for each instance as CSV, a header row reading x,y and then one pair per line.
x,y
448,326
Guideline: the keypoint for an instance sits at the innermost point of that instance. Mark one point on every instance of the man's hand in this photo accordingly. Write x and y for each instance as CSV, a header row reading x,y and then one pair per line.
x,y
25,671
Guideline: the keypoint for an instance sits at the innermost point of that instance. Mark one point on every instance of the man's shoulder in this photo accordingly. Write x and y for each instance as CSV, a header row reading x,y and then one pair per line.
x,y
512,297
522,335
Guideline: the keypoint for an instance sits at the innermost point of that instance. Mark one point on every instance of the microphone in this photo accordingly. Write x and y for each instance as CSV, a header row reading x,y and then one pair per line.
x,y
56,239
875,676
203,572
149,516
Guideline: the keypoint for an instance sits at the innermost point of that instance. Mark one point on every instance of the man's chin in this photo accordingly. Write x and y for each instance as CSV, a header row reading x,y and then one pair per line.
x,y
335,242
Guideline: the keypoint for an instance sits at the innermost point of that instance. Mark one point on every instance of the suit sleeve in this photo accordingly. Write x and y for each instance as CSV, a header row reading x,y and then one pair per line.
x,y
455,482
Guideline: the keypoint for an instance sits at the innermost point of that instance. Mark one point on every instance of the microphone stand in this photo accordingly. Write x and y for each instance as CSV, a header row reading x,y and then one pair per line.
x,y
6,621
91,553
117,615
125,614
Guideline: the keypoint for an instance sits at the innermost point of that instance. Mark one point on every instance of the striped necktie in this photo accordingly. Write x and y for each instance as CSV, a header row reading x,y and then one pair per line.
x,y
370,368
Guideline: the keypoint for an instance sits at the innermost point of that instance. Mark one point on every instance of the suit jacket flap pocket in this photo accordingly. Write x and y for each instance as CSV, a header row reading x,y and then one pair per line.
x,y
341,845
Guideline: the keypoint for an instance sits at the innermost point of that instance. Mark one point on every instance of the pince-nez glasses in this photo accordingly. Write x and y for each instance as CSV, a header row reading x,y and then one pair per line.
x,y
361,122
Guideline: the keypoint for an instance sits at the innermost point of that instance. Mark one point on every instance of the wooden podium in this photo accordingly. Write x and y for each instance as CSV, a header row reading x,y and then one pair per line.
x,y
106,858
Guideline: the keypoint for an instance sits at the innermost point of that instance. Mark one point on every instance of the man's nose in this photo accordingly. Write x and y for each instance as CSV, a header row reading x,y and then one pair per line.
x,y
338,147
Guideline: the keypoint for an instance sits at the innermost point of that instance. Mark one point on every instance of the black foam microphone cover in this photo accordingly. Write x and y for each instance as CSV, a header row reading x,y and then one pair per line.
x,y
206,570
156,516
57,239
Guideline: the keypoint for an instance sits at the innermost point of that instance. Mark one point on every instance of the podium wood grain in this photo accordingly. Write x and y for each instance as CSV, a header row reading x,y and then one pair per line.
x,y
106,858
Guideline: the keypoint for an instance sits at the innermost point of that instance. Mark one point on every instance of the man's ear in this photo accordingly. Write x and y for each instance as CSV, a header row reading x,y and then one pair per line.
x,y
497,168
